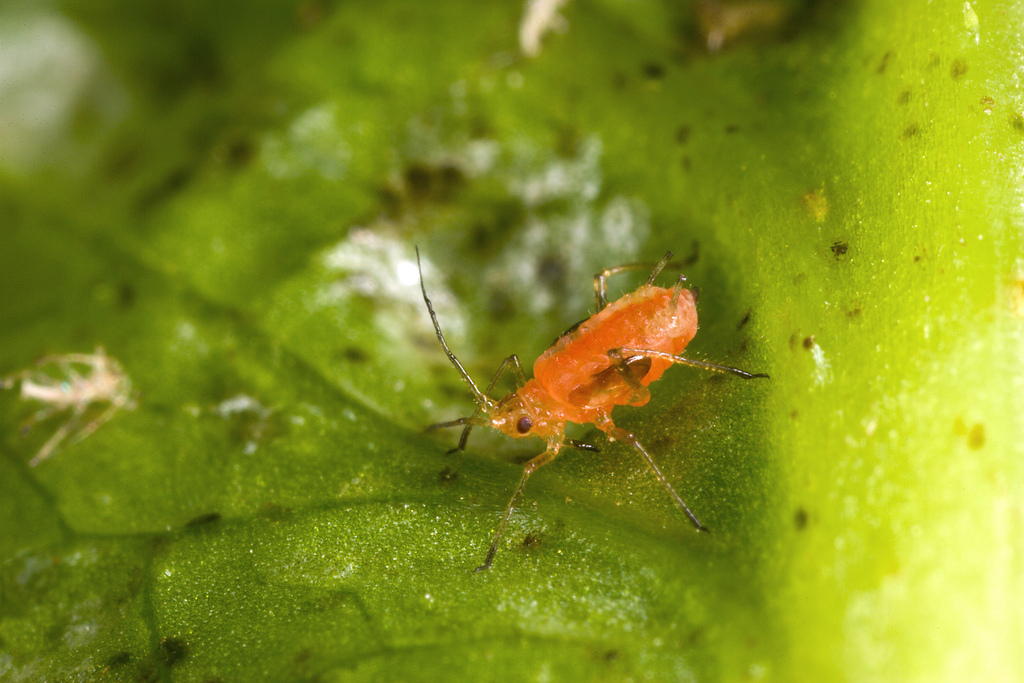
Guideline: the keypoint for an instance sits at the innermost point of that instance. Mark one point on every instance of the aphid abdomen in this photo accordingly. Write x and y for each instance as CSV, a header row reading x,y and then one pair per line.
x,y
644,319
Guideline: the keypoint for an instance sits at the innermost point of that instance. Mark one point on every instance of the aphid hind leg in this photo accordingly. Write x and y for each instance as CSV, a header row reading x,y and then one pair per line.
x,y
621,363
601,279
529,468
619,434
713,367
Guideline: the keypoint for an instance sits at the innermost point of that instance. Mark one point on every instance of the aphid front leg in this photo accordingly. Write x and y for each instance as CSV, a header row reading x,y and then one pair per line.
x,y
529,468
474,420
619,434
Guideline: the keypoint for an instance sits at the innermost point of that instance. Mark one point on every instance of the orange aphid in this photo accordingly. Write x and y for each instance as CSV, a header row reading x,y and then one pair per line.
x,y
605,361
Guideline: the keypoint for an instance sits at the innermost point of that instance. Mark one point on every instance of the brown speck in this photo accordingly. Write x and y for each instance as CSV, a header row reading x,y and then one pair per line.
x,y
883,63
839,248
532,540
976,437
909,132
686,164
959,426
816,204
203,520
957,69
447,476
987,103
934,60
173,650
800,519
903,98
744,320
682,134
654,71
809,342
732,128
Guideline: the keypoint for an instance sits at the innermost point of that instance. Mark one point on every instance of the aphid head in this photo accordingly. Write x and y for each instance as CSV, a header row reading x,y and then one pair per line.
x,y
524,414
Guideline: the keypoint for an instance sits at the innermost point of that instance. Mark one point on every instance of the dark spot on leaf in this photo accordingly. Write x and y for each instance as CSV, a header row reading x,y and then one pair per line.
x,y
1017,122
732,128
682,134
118,660
686,163
654,71
125,295
551,272
808,342
959,426
800,519
794,414
839,248
433,183
619,80
275,513
448,476
173,183
909,132
883,63
987,103
354,354
957,69
976,437
611,655
854,312
239,152
173,650
203,520
934,60
744,320
903,98
533,541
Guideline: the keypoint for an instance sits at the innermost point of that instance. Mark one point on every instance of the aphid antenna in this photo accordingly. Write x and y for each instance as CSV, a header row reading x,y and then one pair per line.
x,y
486,404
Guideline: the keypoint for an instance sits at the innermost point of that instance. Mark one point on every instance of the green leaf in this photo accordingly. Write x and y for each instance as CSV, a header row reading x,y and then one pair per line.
x,y
227,198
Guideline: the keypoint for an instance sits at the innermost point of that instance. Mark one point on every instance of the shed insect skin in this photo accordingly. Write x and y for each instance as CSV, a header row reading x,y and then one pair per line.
x,y
106,382
605,361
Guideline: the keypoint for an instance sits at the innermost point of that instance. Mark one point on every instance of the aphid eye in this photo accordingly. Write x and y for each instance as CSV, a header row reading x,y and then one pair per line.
x,y
524,425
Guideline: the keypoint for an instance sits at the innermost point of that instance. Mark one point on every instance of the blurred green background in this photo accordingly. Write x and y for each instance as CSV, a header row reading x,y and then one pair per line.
x,y
226,197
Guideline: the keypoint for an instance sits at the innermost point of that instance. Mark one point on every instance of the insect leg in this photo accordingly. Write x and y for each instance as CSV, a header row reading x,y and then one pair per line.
x,y
622,364
95,424
713,367
51,444
601,279
38,416
528,469
520,378
619,434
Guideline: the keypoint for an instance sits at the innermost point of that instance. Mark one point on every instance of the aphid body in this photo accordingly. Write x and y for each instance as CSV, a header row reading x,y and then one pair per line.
x,y
606,361
105,382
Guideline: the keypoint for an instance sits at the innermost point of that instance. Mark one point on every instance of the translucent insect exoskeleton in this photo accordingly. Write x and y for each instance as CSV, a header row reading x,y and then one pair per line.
x,y
605,361
103,381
